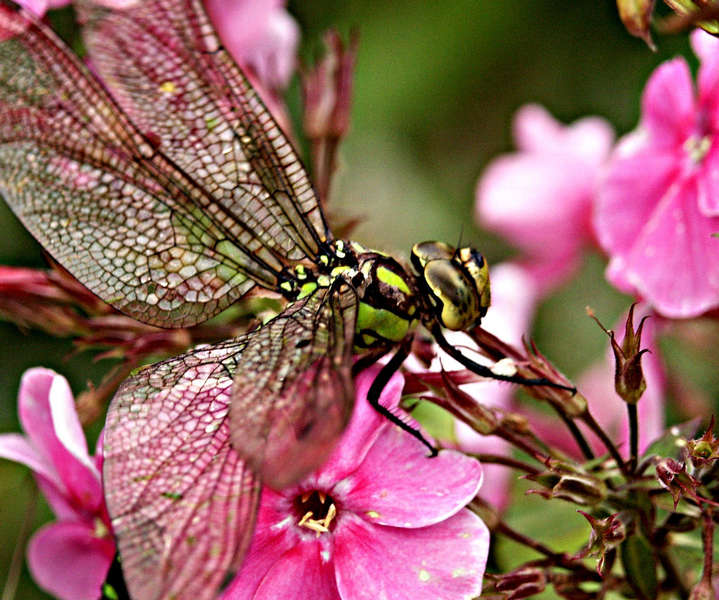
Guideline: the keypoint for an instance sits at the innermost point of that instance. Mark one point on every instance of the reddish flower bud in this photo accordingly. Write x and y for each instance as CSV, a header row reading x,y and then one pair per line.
x,y
629,380
522,583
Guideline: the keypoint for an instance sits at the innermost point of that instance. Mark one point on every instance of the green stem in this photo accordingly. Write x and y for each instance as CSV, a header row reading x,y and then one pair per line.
x,y
15,568
633,437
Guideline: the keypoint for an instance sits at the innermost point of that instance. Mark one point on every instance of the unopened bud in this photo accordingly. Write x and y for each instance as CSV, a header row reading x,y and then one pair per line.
x,y
705,450
629,380
522,583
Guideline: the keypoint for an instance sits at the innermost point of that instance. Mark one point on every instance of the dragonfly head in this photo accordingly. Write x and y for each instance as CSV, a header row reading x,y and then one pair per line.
x,y
456,280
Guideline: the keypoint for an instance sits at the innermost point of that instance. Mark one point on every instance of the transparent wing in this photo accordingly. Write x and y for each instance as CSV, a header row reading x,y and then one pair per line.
x,y
182,502
169,223
294,395
179,473
164,63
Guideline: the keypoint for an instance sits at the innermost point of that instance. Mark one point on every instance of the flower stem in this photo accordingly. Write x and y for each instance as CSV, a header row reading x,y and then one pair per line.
x,y
507,462
590,422
578,436
633,436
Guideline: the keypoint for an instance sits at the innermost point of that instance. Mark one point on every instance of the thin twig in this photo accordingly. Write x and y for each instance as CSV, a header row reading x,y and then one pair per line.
x,y
577,435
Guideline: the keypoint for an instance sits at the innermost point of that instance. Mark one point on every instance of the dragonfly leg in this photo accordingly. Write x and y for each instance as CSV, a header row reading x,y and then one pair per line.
x,y
378,385
484,371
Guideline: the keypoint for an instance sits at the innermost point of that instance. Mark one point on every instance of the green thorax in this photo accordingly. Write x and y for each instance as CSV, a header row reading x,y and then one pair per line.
x,y
446,286
388,298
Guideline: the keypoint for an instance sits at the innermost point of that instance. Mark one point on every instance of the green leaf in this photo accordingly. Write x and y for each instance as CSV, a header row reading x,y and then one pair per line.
x,y
640,566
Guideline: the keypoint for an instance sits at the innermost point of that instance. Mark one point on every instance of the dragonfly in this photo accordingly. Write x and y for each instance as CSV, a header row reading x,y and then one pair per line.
x,y
166,187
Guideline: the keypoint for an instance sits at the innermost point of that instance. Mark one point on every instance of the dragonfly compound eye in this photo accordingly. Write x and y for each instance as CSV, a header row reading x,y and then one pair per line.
x,y
458,282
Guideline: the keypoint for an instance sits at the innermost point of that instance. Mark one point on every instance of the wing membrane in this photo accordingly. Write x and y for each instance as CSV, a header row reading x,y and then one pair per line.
x,y
181,500
170,221
179,471
294,394
180,84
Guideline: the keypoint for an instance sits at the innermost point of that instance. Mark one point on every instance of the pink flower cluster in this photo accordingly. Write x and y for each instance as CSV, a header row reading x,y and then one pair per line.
x,y
650,203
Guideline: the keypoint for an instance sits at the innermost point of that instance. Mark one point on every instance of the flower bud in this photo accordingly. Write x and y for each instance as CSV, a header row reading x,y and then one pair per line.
x,y
705,450
636,15
522,583
629,380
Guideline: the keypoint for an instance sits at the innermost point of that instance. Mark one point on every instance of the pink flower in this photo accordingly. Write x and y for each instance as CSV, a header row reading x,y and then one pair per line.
x,y
379,520
540,197
659,206
69,558
260,34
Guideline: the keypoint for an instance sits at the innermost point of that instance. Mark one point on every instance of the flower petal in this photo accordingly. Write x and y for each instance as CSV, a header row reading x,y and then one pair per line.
x,y
675,261
626,201
14,446
48,415
708,181
534,129
668,105
398,484
280,556
706,47
445,561
68,561
541,203
364,427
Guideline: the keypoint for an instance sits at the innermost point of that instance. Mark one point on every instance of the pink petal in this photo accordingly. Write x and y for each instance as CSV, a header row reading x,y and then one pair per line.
x,y
14,446
675,261
301,573
410,490
496,479
48,415
273,58
534,128
279,547
668,108
66,560
541,203
36,7
706,47
364,427
258,33
590,139
628,196
708,182
445,561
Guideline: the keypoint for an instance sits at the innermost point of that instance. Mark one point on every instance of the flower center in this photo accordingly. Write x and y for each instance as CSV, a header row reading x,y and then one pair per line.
x,y
316,511
697,147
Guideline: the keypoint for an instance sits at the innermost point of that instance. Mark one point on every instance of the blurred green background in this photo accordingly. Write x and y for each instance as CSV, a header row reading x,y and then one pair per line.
x,y
435,89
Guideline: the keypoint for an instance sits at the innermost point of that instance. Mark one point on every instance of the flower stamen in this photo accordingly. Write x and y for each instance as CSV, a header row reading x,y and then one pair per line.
x,y
317,509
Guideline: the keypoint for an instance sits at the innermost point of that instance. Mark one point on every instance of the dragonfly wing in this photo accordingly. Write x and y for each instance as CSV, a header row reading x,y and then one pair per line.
x,y
294,394
181,500
145,230
164,62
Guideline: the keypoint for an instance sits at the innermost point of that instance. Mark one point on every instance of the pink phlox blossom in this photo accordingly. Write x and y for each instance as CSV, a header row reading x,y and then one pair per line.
x,y
540,197
658,207
70,557
379,520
